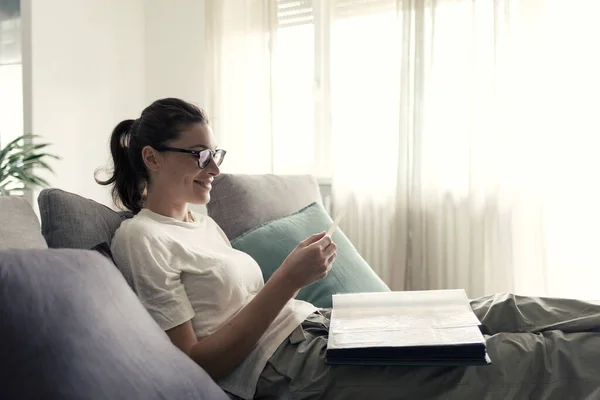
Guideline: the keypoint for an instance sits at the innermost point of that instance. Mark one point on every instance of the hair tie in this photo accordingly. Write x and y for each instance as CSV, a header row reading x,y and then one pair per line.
x,y
126,136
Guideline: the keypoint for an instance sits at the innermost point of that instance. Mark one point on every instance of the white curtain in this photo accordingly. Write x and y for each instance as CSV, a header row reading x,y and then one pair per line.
x,y
238,66
478,163
261,94
463,139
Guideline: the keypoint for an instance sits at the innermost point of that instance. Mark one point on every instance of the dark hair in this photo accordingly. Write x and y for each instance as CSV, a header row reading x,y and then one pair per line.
x,y
160,122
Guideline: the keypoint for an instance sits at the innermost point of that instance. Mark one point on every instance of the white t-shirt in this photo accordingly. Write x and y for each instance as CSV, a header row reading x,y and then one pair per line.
x,y
188,270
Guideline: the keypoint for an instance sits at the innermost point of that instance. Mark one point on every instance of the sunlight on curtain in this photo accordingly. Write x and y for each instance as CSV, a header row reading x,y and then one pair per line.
x,y
463,133
503,152
261,87
294,131
462,223
365,82
365,95
494,188
568,138
239,77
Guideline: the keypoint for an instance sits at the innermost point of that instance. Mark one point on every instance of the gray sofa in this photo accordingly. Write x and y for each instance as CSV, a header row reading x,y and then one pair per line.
x,y
70,326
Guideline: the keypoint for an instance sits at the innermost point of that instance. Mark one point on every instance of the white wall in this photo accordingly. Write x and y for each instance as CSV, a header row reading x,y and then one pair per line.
x,y
84,74
90,64
174,38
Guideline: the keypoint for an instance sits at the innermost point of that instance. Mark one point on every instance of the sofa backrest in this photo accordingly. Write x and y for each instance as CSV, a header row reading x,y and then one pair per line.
x,y
240,202
19,226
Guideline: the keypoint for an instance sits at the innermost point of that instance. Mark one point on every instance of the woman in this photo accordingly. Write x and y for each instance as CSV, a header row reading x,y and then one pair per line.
x,y
255,339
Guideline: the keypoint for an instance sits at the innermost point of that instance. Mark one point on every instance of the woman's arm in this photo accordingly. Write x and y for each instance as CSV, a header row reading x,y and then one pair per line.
x,y
222,351
225,349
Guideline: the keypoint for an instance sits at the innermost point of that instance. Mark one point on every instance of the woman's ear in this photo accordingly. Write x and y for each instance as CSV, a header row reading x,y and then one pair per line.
x,y
152,158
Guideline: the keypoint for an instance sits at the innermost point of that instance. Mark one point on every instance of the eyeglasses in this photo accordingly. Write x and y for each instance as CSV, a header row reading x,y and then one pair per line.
x,y
203,156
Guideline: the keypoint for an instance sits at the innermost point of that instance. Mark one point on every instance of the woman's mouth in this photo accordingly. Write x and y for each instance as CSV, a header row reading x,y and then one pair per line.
x,y
206,184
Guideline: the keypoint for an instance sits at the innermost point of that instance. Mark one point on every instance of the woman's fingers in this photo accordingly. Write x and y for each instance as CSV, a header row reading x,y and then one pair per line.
x,y
330,261
312,239
330,250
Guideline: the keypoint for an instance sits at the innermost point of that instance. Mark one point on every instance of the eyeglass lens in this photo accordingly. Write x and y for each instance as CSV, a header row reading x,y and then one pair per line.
x,y
205,156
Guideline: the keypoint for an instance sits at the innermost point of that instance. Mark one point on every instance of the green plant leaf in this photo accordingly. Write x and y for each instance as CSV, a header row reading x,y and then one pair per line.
x,y
20,161
39,164
24,150
12,144
15,144
24,161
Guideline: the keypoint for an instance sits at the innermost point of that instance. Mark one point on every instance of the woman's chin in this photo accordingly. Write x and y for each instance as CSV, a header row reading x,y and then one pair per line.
x,y
200,198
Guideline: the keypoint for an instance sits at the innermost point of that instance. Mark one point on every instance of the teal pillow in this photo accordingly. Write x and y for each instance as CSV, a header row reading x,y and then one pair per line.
x,y
269,244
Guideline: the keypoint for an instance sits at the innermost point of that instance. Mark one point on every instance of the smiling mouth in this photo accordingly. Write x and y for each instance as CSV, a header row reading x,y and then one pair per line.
x,y
204,184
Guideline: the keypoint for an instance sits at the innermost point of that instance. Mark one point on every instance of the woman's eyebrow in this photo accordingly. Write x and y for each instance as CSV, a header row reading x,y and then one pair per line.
x,y
198,146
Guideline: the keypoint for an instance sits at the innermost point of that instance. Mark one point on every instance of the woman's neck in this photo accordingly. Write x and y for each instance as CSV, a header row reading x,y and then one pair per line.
x,y
168,208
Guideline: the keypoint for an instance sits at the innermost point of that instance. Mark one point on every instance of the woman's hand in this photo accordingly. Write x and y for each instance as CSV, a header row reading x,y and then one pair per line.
x,y
308,262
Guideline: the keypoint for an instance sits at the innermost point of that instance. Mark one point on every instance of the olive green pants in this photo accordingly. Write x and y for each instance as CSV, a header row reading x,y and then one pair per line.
x,y
540,349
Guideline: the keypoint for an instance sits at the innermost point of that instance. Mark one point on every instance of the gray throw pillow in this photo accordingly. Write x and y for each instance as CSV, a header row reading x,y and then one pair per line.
x,y
72,221
240,202
73,329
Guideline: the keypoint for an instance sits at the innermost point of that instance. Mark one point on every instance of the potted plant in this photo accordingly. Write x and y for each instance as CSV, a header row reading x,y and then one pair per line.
x,y
20,162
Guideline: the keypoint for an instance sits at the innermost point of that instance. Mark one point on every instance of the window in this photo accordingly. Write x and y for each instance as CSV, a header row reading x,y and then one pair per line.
x,y
11,75
10,32
327,68
295,136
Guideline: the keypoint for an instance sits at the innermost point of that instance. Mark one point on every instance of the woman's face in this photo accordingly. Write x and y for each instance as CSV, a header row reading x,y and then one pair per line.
x,y
176,176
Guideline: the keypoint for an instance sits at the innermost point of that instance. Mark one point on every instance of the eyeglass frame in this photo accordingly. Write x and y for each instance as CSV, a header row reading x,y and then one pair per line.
x,y
196,153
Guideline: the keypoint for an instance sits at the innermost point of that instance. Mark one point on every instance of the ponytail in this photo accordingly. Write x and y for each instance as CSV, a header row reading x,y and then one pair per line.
x,y
129,175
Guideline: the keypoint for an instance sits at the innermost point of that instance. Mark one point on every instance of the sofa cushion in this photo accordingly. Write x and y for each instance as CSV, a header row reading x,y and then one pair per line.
x,y
19,226
72,221
75,330
270,243
240,202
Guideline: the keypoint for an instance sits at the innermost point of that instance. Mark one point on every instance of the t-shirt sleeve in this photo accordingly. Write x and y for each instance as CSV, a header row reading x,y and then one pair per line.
x,y
146,263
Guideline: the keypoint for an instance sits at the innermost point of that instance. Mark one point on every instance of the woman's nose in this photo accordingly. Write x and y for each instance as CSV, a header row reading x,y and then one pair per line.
x,y
213,168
